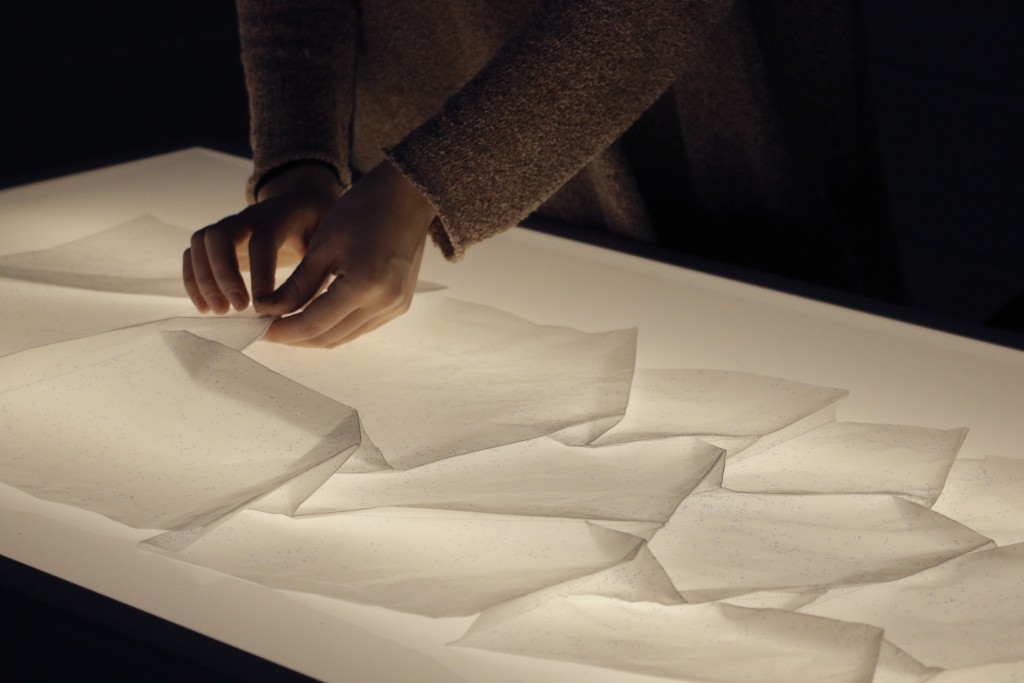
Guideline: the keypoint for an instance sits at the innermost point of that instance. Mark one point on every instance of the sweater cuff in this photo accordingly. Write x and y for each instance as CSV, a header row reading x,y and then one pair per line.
x,y
440,228
264,173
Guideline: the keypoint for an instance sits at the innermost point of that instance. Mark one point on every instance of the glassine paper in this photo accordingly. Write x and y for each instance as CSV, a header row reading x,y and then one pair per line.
x,y
451,377
642,481
36,314
896,666
963,613
851,457
430,562
988,496
142,256
720,543
159,428
667,402
709,642
1004,672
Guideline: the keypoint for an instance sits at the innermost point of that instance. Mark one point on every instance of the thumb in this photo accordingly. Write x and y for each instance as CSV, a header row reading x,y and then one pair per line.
x,y
301,286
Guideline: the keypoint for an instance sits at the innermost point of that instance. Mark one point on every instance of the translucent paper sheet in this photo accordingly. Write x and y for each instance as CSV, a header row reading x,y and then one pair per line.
x,y
1004,672
721,543
36,314
668,402
850,457
896,666
430,562
706,642
142,256
642,481
157,427
988,496
451,377
966,612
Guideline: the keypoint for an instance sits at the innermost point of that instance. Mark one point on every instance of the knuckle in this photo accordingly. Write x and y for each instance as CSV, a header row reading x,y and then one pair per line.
x,y
289,290
306,331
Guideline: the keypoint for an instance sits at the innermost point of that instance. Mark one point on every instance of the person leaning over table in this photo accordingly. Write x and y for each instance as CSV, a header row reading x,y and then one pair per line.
x,y
731,129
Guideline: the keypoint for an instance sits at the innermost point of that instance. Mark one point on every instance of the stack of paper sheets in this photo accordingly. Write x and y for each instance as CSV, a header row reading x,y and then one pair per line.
x,y
698,524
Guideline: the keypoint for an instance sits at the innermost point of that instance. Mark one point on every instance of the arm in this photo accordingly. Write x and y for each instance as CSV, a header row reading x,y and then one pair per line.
x,y
299,60
573,79
576,76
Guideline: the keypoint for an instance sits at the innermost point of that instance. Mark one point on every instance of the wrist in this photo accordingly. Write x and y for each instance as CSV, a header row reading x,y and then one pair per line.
x,y
305,177
407,193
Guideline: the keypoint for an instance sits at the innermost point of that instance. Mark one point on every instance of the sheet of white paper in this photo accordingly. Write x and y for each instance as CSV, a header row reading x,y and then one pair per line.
x,y
1006,672
142,256
36,314
667,402
720,544
709,642
787,600
988,496
966,612
160,428
643,480
451,377
851,457
431,562
896,666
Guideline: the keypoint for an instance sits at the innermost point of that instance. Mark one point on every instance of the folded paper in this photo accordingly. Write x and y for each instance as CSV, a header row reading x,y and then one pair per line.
x,y
668,402
964,613
451,377
158,427
712,642
642,481
851,457
37,314
431,562
720,543
987,494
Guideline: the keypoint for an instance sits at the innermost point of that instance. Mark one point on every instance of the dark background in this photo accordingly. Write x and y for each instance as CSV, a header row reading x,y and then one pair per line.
x,y
89,83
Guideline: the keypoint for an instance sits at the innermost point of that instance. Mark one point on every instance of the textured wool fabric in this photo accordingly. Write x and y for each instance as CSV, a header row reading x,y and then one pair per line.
x,y
729,129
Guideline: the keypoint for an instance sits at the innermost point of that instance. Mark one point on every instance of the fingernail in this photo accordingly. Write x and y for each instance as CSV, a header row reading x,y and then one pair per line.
x,y
238,300
218,304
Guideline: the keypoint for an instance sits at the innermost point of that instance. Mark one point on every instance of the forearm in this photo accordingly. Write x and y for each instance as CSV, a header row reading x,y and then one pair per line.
x,y
299,59
577,75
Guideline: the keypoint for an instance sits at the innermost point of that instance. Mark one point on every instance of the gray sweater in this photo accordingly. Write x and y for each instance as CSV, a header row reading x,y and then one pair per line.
x,y
731,129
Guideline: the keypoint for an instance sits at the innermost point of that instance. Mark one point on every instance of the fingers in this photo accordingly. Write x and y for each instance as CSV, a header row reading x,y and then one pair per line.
x,y
262,265
211,273
301,286
191,286
341,314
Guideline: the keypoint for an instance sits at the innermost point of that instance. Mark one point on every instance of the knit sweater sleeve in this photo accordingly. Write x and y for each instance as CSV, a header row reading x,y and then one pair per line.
x,y
564,88
299,62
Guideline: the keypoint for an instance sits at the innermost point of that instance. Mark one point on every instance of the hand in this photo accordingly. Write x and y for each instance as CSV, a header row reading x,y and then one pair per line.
x,y
289,207
371,240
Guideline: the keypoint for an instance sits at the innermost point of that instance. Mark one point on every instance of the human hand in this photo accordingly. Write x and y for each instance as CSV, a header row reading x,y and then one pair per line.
x,y
273,230
371,240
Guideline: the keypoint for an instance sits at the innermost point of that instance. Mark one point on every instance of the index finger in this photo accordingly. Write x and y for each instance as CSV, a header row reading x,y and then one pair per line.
x,y
322,314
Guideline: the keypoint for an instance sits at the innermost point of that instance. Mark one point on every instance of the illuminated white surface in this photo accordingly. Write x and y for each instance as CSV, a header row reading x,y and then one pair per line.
x,y
896,373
